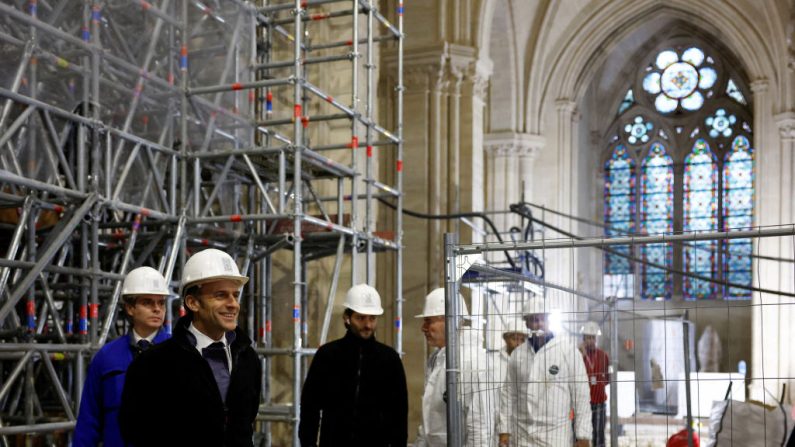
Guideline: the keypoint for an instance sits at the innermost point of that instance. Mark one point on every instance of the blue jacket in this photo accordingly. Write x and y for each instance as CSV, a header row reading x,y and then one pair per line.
x,y
99,406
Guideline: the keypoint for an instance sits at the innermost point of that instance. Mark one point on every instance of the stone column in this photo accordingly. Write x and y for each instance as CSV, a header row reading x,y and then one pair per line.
x,y
509,172
559,263
772,188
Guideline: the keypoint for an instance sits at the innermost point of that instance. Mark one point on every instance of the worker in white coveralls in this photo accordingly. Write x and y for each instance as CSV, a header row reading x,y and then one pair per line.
x,y
514,334
477,401
545,387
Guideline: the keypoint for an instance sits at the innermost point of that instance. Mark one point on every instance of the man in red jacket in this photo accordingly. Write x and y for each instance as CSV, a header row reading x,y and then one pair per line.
x,y
596,364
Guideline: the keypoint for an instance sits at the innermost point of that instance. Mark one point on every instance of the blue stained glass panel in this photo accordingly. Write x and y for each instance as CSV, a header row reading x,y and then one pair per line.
x,y
656,218
629,99
738,202
700,214
619,206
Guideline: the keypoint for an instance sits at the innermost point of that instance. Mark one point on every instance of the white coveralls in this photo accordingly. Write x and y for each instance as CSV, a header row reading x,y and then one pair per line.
x,y
540,391
478,402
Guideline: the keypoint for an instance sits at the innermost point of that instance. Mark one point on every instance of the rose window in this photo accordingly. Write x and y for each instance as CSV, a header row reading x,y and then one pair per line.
x,y
680,80
720,124
638,131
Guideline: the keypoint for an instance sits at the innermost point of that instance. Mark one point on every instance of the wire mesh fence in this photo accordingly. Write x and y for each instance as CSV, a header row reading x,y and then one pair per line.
x,y
553,363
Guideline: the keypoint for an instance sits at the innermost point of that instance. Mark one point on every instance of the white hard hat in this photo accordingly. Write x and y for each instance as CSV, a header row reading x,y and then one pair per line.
x,y
209,265
536,305
514,325
590,328
434,305
144,281
364,299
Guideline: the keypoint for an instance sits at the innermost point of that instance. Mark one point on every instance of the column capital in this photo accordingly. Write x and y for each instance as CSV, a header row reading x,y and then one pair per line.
x,y
565,105
786,125
506,144
759,85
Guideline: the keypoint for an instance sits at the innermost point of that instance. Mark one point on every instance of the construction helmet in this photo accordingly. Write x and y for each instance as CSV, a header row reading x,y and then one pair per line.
x,y
144,281
590,328
679,439
363,299
514,325
434,305
536,305
210,265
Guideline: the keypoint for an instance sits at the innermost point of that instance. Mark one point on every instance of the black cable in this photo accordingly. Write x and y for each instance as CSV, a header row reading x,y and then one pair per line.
x,y
606,226
519,209
419,215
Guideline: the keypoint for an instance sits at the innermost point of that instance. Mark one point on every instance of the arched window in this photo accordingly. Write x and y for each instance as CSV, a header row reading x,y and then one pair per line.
x,y
701,214
657,212
682,129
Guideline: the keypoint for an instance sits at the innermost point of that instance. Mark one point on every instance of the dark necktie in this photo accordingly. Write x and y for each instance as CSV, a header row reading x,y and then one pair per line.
x,y
215,354
142,345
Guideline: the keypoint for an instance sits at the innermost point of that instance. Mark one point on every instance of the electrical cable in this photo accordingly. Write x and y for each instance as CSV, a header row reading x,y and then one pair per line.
x,y
518,208
418,215
606,226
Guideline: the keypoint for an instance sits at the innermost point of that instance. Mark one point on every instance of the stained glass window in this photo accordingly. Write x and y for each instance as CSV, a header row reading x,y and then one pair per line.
x,y
684,95
627,102
619,206
738,199
657,212
638,130
700,214
720,123
734,92
680,80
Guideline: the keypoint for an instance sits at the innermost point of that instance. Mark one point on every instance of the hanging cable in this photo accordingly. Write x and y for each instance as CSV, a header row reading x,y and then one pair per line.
x,y
483,216
606,226
521,210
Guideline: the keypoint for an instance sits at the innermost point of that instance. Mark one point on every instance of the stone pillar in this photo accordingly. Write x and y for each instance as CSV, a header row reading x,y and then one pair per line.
x,y
443,174
509,172
773,157
559,263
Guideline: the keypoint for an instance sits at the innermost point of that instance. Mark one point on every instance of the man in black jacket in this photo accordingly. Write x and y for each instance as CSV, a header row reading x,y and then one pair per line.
x,y
202,386
356,383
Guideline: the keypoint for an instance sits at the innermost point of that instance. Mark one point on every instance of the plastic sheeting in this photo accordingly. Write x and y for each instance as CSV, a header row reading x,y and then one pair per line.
x,y
749,424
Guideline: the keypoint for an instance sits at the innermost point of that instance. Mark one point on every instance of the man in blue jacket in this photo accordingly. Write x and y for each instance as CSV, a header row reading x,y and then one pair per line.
x,y
144,294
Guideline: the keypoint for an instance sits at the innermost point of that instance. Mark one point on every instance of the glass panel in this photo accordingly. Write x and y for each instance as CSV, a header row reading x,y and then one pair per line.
x,y
738,199
638,130
679,80
708,77
734,92
700,214
694,56
657,217
627,102
720,124
651,83
665,104
693,102
666,58
619,206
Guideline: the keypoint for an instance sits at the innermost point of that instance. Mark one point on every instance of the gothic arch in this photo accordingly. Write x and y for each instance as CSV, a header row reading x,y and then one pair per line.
x,y
597,33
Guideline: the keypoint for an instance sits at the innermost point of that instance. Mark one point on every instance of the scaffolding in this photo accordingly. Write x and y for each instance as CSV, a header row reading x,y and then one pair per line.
x,y
663,381
137,132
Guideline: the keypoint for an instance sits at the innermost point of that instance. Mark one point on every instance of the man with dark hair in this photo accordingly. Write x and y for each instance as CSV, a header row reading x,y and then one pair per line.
x,y
201,387
355,391
144,293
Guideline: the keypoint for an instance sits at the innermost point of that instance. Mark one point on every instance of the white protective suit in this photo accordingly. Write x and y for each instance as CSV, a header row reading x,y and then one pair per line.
x,y
540,391
475,391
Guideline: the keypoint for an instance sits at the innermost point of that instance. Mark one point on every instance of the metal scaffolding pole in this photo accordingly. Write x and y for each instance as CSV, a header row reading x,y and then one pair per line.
x,y
119,158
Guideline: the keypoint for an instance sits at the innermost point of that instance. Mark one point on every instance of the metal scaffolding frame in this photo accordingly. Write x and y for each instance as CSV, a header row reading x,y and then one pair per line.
x,y
136,132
